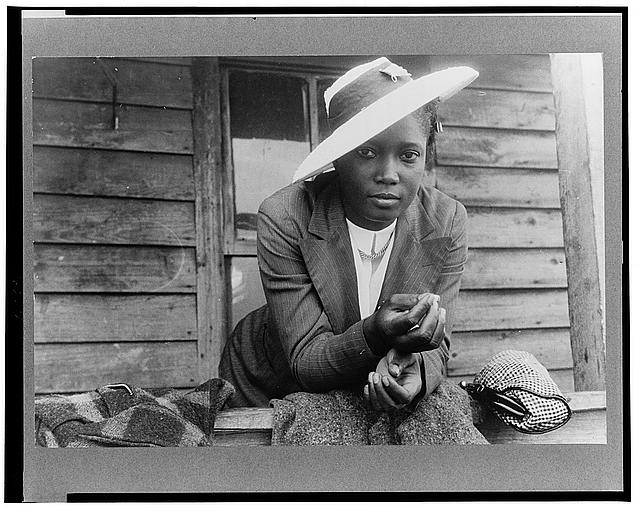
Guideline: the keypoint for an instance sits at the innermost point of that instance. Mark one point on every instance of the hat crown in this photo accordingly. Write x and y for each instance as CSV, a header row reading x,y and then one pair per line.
x,y
362,86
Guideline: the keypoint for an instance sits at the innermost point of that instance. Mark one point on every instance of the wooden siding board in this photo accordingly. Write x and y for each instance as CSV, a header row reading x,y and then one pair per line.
x,y
506,72
71,268
112,173
499,187
74,219
170,142
470,146
470,351
515,268
511,309
488,227
55,114
84,367
69,318
146,83
500,109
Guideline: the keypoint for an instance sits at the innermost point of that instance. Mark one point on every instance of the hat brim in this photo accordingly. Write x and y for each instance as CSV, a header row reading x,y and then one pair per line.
x,y
382,114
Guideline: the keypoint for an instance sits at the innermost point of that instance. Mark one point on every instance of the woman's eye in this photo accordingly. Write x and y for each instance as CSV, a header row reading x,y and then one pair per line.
x,y
410,156
367,153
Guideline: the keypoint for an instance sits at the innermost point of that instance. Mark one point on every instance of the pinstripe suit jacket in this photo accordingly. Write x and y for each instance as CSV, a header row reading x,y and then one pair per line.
x,y
309,335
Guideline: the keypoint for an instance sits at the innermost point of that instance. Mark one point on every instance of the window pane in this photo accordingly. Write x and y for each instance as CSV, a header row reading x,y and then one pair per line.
x,y
270,137
246,288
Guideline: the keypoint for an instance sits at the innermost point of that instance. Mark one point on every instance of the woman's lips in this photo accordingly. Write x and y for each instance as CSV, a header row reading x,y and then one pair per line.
x,y
385,200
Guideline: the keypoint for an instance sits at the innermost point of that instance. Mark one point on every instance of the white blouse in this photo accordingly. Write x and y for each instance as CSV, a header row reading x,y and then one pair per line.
x,y
370,272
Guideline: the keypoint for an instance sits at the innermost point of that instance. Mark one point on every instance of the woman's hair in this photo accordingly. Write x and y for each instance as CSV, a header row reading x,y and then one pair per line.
x,y
427,116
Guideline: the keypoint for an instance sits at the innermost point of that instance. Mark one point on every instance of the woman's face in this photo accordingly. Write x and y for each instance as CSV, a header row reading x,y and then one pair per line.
x,y
380,178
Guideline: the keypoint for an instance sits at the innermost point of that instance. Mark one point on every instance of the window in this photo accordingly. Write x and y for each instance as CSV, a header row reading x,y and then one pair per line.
x,y
274,117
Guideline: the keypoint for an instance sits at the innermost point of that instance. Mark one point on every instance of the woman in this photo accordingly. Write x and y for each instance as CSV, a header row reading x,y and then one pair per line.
x,y
361,266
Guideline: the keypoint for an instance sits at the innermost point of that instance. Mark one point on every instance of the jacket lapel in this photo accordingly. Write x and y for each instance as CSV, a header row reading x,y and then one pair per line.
x,y
327,253
417,255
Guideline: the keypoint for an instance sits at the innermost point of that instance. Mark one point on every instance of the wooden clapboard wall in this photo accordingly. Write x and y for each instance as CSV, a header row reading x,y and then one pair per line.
x,y
114,228
497,155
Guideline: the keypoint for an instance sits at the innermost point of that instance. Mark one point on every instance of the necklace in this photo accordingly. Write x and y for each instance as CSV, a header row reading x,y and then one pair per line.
x,y
374,256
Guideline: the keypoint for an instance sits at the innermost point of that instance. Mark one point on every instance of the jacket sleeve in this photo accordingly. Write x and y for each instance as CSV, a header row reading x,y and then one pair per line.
x,y
447,286
319,359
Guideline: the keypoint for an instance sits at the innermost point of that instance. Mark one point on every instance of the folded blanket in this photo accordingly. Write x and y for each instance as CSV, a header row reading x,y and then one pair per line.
x,y
342,418
121,415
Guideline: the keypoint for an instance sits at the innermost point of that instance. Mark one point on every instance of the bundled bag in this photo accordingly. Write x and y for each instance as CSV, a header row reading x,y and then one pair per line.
x,y
521,392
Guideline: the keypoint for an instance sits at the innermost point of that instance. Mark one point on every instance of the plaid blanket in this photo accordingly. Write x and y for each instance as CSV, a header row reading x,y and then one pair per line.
x,y
120,415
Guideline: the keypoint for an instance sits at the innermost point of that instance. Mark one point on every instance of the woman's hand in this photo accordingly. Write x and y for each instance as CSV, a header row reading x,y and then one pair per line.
x,y
407,323
395,383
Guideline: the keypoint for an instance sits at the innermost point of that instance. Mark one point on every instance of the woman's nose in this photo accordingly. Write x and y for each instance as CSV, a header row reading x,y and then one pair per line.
x,y
387,173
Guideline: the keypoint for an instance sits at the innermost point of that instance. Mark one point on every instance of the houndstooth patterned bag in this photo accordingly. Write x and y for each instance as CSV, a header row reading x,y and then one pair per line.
x,y
523,394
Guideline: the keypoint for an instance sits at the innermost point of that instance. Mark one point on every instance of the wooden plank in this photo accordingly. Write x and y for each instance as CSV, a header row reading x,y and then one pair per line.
x,y
244,419
499,187
585,401
84,367
97,317
514,228
583,428
112,173
576,198
562,377
55,114
209,209
506,72
511,309
84,220
470,351
252,426
475,146
64,268
515,268
147,83
498,108
169,142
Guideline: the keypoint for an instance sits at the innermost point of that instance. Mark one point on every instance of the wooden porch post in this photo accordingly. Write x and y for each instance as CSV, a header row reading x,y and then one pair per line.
x,y
576,164
207,165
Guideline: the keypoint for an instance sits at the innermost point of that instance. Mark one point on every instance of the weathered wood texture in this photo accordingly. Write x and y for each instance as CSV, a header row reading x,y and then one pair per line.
x,y
71,268
86,318
84,367
503,72
472,349
479,146
114,224
498,108
85,220
576,198
514,268
504,227
147,83
211,275
112,173
511,309
497,155
500,187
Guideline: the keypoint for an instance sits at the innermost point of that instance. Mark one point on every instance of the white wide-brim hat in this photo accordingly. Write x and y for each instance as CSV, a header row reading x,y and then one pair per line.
x,y
372,97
